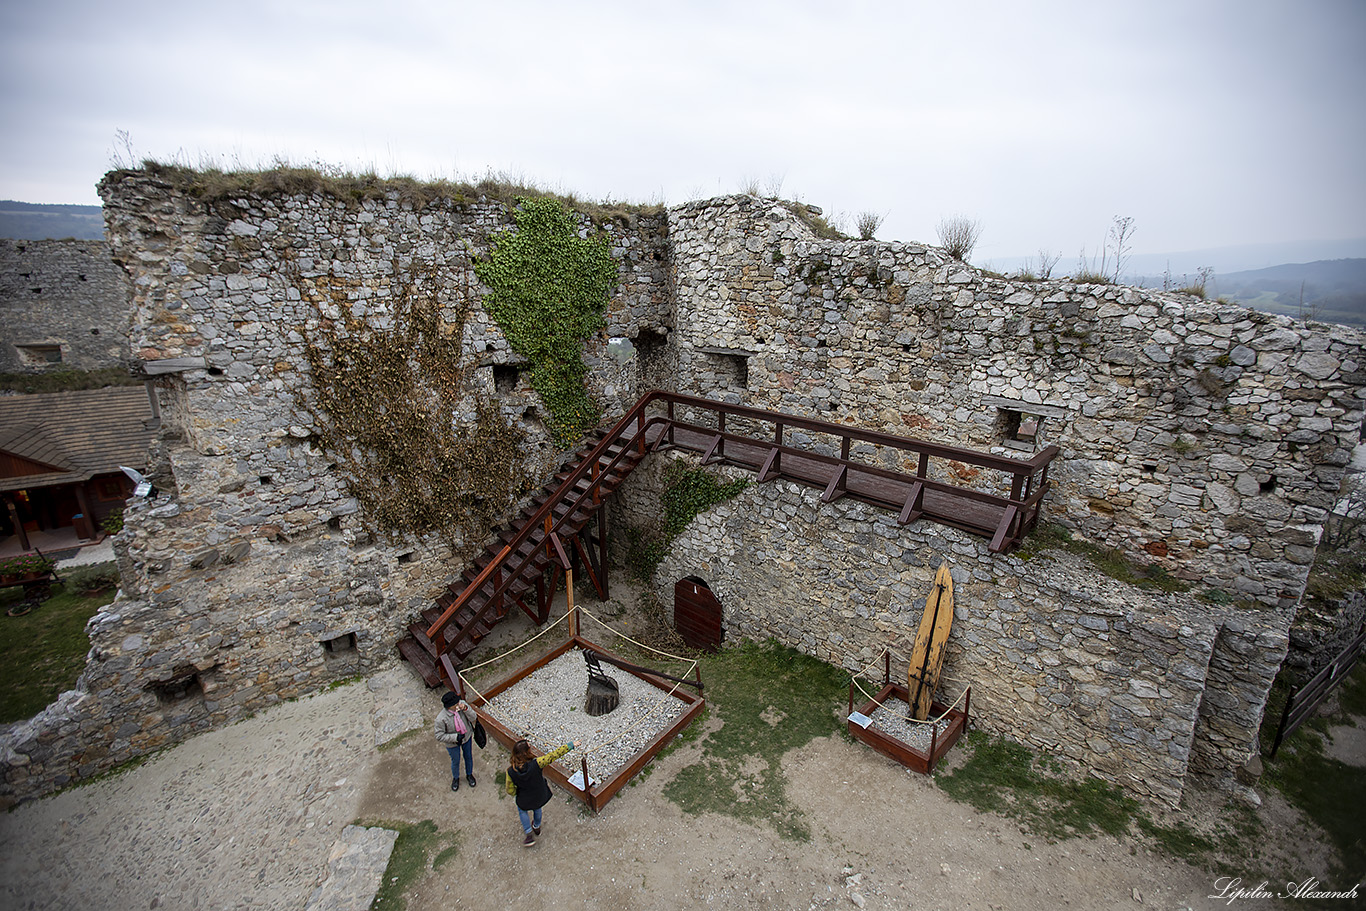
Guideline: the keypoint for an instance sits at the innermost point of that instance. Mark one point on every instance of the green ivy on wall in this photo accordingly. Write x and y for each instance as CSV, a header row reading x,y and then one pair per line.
x,y
688,492
384,401
548,292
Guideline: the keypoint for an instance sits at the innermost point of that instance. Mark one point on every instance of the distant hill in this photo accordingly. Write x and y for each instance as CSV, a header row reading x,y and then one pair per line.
x,y
1331,291
36,221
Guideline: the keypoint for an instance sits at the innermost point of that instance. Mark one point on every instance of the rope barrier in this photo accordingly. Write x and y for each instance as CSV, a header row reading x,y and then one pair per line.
x,y
882,706
622,635
650,713
854,679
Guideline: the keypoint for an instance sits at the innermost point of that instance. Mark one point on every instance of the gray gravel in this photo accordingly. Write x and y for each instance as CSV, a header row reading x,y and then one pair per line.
x,y
547,708
892,719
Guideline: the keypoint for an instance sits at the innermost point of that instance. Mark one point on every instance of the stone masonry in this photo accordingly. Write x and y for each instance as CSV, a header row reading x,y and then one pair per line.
x,y
1201,438
63,303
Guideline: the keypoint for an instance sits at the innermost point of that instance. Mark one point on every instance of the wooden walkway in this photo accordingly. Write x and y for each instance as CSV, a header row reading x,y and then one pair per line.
x,y
565,525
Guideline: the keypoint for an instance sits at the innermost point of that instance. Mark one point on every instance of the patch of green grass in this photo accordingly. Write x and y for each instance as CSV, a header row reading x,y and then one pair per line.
x,y
66,380
1007,778
43,652
394,742
770,700
408,863
1327,790
1112,563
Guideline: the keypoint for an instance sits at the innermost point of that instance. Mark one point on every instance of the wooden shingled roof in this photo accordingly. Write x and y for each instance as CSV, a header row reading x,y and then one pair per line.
x,y
63,437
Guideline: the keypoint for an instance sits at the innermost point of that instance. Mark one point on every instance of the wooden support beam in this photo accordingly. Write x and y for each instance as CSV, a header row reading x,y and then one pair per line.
x,y
586,552
771,464
835,489
558,552
1001,539
715,442
446,668
914,502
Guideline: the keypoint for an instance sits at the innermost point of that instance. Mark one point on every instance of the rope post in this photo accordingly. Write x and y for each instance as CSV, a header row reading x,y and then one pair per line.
x,y
587,788
573,612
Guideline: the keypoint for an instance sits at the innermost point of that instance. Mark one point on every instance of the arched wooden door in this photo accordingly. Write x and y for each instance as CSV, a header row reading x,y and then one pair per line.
x,y
697,614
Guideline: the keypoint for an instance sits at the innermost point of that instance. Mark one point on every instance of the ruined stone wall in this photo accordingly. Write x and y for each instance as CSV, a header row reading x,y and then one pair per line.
x,y
1105,676
1200,439
63,293
253,576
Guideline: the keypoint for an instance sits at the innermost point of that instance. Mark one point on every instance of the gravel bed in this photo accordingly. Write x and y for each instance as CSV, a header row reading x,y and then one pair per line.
x,y
547,708
891,719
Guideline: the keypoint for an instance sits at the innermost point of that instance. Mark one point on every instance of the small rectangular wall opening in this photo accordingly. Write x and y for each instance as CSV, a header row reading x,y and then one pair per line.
x,y
185,684
1018,429
730,368
340,644
40,354
505,378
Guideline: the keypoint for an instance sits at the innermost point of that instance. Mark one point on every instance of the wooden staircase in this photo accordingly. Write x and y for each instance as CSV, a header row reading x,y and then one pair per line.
x,y
564,525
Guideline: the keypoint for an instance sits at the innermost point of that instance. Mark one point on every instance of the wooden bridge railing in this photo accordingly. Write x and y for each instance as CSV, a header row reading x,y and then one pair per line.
x,y
654,423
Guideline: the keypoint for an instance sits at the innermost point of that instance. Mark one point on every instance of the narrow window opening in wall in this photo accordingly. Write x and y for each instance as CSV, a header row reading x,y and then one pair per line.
x,y
1018,429
184,685
505,378
339,644
1149,467
40,354
406,557
265,480
334,523
215,371
1269,485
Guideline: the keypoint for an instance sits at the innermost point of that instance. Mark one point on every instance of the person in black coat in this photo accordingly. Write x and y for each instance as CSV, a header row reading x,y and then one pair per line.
x,y
527,783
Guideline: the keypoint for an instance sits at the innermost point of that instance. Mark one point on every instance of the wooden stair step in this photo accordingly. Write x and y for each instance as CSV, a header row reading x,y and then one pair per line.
x,y
419,632
413,652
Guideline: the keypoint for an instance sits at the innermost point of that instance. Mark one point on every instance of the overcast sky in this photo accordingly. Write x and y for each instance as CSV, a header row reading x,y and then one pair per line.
x,y
1212,124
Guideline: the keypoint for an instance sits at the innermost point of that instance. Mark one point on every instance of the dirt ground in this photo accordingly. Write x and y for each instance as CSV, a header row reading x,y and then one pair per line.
x,y
883,838
244,818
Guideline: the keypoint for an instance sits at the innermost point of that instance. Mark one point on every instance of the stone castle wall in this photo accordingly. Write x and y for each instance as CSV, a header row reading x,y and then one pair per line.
x,y
62,293
253,577
1201,438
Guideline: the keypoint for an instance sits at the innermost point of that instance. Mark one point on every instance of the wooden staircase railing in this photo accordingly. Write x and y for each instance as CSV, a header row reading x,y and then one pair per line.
x,y
549,538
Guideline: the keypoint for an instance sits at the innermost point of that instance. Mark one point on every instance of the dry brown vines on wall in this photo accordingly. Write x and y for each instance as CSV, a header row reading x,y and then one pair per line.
x,y
387,406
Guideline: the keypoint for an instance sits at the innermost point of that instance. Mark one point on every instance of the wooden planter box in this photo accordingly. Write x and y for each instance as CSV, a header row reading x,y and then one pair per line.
x,y
595,796
21,578
956,722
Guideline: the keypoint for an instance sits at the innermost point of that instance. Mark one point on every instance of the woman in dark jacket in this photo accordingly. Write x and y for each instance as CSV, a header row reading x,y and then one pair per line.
x,y
527,783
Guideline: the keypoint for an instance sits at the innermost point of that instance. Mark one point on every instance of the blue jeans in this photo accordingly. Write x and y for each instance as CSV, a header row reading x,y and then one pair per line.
x,y
455,752
527,821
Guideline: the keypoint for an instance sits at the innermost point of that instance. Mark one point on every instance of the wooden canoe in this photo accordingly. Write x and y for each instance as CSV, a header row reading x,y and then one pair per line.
x,y
928,654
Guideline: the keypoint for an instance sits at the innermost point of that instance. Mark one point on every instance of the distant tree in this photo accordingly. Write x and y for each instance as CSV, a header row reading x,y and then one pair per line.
x,y
958,235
